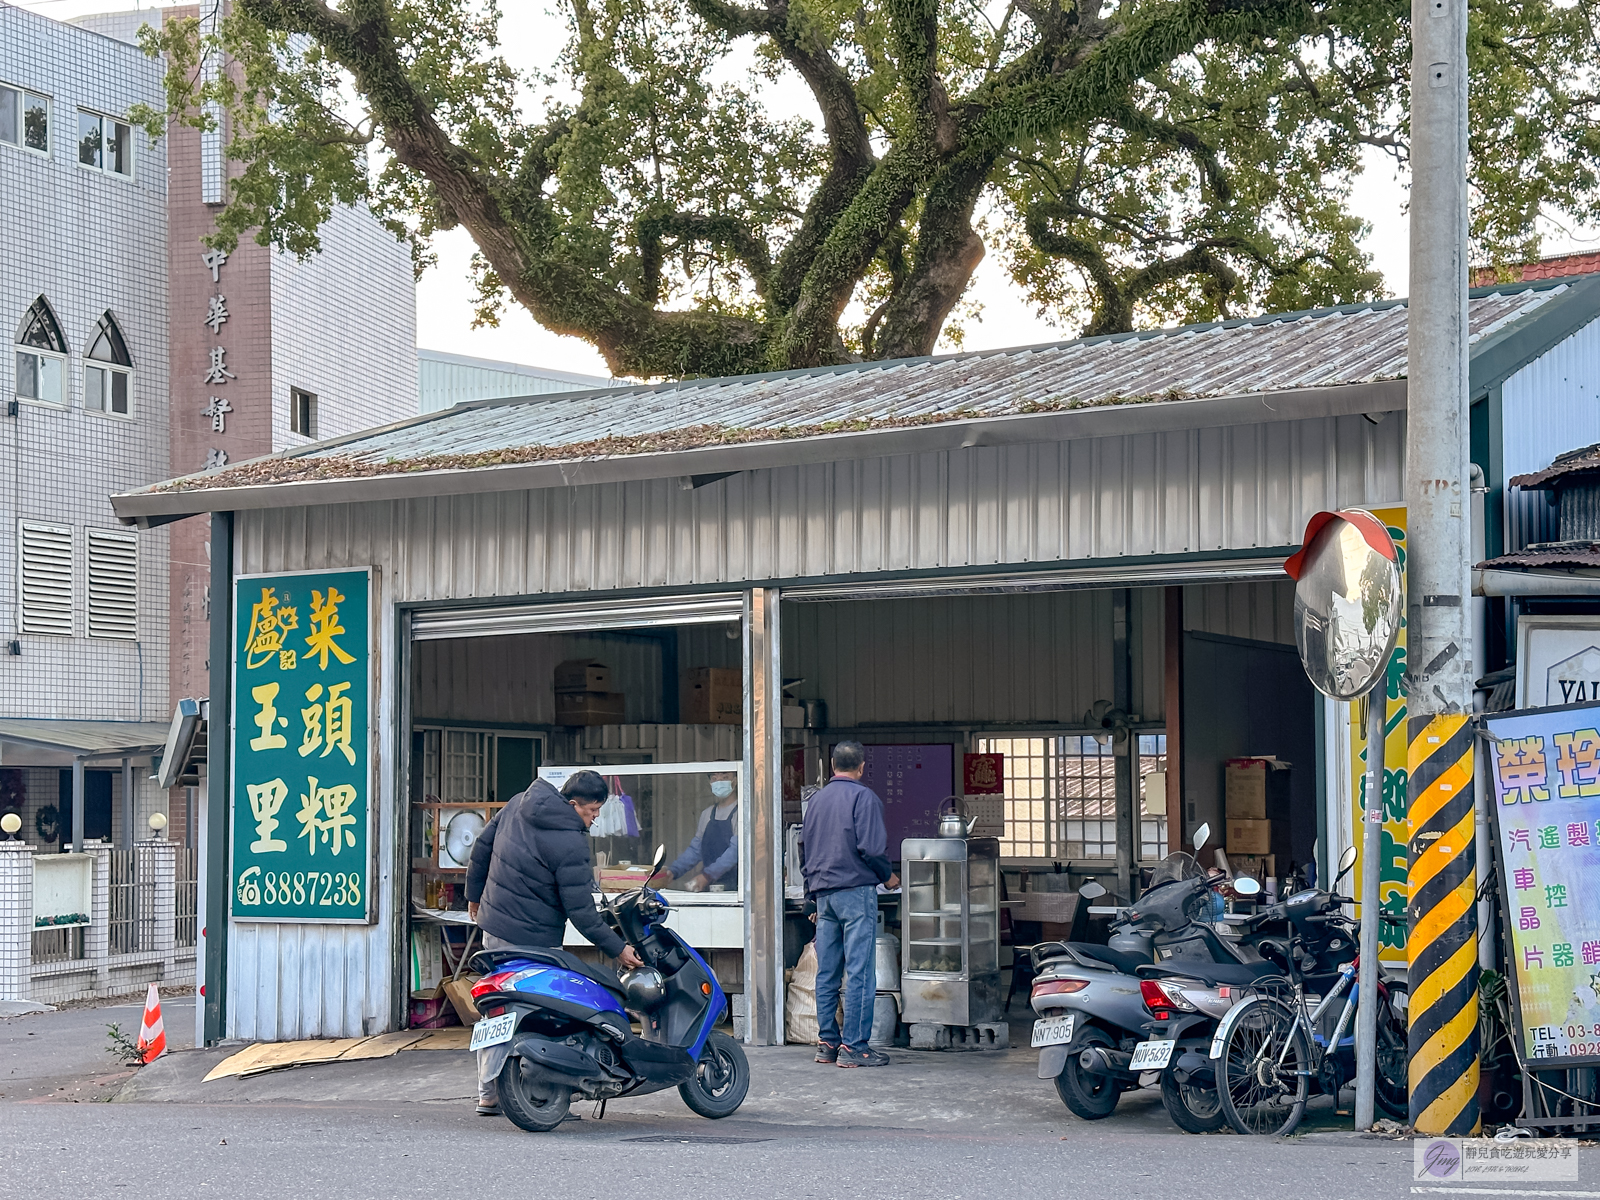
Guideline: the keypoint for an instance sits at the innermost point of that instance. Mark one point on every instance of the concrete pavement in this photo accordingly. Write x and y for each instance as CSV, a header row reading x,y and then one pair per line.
x,y
66,1053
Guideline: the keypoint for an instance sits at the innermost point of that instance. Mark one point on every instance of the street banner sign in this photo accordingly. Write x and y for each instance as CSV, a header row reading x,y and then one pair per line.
x,y
1546,773
302,729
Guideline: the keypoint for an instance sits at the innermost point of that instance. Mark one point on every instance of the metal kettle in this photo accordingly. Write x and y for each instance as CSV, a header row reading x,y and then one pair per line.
x,y
953,821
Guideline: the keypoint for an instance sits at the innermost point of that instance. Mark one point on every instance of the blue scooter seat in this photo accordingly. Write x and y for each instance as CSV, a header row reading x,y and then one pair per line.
x,y
486,960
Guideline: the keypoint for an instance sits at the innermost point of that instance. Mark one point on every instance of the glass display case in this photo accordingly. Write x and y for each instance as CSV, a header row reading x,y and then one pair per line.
x,y
950,965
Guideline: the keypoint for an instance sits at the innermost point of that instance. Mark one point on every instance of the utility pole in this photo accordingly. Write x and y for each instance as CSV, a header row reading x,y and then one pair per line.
x,y
1443,875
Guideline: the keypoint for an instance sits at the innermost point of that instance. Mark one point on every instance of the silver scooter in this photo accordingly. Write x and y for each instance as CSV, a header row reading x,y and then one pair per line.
x,y
1090,1008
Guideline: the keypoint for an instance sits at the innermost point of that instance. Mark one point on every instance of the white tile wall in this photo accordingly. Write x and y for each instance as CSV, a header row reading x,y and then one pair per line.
x,y
344,327
90,242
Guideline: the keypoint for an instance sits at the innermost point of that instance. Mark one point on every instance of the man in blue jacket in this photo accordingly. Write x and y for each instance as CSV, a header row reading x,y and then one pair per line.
x,y
846,858
530,874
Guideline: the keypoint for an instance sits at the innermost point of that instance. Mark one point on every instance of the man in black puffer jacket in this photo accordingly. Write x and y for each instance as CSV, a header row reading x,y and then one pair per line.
x,y
531,873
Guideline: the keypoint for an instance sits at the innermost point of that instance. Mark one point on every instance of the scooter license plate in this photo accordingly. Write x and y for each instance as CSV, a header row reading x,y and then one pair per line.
x,y
491,1031
1053,1031
1152,1056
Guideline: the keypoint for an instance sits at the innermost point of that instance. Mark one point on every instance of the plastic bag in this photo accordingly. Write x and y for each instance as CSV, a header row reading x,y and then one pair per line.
x,y
612,821
800,1001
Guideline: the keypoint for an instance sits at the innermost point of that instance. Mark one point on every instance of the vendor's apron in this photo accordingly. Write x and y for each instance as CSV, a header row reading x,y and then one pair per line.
x,y
716,839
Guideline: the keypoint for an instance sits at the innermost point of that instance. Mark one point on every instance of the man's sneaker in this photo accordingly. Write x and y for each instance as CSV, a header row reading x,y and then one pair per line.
x,y
866,1057
488,1110
827,1053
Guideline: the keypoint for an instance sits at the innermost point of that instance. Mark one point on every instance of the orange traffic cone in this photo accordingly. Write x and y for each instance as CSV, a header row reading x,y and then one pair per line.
x,y
152,1036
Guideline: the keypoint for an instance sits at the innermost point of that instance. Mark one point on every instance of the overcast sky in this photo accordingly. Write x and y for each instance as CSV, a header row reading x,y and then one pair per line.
x,y
531,37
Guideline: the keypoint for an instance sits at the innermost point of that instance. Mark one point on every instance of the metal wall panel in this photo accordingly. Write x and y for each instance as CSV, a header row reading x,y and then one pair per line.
x,y
508,680
302,981
1553,404
1550,406
1040,657
1199,491
1263,612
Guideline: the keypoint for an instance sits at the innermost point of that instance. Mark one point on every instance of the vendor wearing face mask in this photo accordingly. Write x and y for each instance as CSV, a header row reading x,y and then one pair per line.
x,y
715,848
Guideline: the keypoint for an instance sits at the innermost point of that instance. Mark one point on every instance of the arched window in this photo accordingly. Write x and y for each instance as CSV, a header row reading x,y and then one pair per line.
x,y
41,356
107,370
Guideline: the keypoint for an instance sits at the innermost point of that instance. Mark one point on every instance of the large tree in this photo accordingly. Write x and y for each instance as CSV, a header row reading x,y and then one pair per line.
x,y
1131,160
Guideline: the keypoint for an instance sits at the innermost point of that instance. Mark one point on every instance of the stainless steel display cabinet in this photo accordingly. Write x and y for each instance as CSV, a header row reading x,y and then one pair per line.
x,y
951,933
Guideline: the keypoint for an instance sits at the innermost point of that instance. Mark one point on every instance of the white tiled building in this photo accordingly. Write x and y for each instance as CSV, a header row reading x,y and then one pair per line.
x,y
83,293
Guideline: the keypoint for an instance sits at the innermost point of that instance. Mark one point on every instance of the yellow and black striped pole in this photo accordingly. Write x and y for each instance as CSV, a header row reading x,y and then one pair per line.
x,y
1443,937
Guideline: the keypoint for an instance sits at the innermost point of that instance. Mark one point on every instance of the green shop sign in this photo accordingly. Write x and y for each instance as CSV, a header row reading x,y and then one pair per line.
x,y
302,747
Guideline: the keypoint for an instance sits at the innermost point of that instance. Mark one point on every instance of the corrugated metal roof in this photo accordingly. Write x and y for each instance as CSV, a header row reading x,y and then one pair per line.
x,y
1351,345
1570,463
1556,266
1548,554
88,738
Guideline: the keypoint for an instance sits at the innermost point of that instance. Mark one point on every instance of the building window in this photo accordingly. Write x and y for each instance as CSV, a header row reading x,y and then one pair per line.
x,y
1060,797
105,143
45,570
107,370
302,413
24,119
41,356
113,584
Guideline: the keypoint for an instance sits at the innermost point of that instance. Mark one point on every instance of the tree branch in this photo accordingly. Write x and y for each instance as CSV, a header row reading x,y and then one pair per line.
x,y
692,227
850,155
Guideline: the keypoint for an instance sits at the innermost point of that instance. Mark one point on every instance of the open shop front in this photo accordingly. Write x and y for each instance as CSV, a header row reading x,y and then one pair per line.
x,y
1082,733
650,695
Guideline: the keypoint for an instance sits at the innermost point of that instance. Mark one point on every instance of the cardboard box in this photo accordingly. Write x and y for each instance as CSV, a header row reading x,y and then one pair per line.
x,y
583,675
1249,837
589,708
1244,789
626,879
433,1012
459,993
712,696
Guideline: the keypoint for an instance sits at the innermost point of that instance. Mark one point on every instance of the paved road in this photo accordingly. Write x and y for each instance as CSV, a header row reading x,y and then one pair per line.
x,y
926,1128
151,1152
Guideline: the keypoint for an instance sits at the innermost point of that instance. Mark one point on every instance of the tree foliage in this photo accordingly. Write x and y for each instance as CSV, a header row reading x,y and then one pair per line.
x,y
1132,160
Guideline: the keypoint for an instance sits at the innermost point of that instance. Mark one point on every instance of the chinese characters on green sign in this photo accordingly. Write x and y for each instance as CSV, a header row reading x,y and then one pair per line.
x,y
302,671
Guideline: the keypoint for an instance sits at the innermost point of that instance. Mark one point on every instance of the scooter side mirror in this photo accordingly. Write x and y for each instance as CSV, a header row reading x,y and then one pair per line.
x,y
655,863
1247,885
1201,836
1346,861
1091,891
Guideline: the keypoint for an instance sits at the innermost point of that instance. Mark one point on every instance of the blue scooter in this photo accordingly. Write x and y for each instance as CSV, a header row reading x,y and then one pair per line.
x,y
558,1027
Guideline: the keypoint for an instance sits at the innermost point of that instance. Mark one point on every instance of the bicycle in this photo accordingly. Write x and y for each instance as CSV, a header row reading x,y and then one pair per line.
x,y
1268,1051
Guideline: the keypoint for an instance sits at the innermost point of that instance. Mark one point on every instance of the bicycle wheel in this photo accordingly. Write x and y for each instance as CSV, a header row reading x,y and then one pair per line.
x,y
1393,1084
1265,1071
